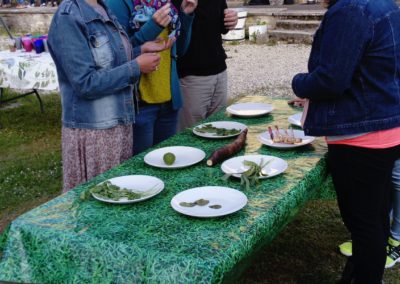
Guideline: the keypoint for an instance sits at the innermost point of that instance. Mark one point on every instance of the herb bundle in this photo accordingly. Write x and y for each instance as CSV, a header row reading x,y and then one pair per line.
x,y
220,131
107,190
252,175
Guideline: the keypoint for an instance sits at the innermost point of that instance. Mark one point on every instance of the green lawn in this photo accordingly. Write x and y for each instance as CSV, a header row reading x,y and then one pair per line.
x,y
30,156
30,174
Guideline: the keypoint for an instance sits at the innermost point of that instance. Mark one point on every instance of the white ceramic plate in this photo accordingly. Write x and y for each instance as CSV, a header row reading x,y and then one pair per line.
x,y
184,157
295,119
265,139
249,109
220,124
275,167
230,200
141,183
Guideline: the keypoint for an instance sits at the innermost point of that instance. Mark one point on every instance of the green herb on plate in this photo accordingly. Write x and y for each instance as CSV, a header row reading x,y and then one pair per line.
x,y
219,131
107,190
252,175
216,206
199,202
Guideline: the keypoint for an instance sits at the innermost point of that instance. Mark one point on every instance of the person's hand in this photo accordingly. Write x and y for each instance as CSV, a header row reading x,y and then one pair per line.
x,y
161,16
148,62
157,45
188,6
230,19
297,102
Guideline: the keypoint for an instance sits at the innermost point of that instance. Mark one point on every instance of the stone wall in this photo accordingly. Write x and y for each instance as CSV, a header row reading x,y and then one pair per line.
x,y
33,20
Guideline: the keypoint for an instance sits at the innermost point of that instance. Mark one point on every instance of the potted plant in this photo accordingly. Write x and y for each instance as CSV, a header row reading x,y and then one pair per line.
x,y
260,29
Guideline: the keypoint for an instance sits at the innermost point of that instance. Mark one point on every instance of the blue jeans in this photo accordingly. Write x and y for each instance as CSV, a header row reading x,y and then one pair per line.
x,y
395,228
153,123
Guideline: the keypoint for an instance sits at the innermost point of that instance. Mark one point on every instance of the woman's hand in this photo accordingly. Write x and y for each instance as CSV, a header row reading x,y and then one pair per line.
x,y
230,19
162,17
157,45
188,6
148,62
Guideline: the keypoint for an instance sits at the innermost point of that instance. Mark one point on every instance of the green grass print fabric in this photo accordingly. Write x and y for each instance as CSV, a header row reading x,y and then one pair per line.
x,y
70,241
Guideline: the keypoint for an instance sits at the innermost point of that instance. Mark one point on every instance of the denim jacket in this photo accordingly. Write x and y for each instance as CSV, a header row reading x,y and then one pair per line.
x,y
95,77
150,31
354,70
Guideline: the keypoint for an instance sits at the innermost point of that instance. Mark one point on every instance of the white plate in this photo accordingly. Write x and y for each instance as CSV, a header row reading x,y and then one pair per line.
x,y
231,200
295,119
184,157
265,139
138,183
249,109
221,124
273,168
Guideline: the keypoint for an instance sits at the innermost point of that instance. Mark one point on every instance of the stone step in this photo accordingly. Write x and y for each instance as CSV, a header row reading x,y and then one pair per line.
x,y
297,24
300,15
292,36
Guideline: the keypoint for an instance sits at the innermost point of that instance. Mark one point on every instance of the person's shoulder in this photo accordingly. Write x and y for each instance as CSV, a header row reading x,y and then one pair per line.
x,y
342,7
67,9
119,5
372,9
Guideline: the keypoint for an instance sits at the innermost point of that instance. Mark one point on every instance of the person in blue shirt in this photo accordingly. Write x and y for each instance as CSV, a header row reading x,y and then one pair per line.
x,y
159,96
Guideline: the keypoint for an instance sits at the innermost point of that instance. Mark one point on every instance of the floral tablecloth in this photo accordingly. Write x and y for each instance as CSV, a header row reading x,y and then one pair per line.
x,y
27,70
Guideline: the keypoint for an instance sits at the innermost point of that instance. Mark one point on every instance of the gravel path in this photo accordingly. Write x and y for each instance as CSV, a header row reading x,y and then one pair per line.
x,y
264,70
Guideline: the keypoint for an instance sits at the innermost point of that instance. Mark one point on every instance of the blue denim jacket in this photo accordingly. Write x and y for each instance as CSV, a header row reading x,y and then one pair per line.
x,y
150,31
354,70
95,77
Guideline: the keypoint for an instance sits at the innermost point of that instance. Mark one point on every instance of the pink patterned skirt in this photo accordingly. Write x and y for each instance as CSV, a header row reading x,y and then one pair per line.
x,y
87,153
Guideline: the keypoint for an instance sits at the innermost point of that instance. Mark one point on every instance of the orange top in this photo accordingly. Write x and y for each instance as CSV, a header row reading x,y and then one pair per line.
x,y
374,140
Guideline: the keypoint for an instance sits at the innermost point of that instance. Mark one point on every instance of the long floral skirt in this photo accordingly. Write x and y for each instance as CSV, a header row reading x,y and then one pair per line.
x,y
87,153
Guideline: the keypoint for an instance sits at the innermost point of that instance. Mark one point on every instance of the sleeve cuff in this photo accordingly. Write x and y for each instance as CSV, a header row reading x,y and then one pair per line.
x,y
295,84
134,71
186,19
151,30
137,50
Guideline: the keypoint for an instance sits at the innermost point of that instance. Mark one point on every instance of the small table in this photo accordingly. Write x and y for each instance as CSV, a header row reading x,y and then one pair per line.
x,y
70,241
27,71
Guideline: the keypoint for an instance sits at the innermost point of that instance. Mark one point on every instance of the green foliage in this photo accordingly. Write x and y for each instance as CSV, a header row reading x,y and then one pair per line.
x,y
30,155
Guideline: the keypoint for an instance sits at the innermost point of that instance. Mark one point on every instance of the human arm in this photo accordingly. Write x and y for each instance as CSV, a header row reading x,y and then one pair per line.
x,y
184,38
71,50
224,6
153,27
345,37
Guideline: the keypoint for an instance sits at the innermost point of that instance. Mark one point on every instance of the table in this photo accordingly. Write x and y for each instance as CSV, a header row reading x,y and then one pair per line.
x,y
27,71
67,240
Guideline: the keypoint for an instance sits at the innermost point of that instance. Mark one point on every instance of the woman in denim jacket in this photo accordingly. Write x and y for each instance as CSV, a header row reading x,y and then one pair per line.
x,y
96,72
353,98
159,94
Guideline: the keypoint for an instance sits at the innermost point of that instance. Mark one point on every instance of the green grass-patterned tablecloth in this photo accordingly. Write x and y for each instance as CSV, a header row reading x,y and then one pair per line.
x,y
69,241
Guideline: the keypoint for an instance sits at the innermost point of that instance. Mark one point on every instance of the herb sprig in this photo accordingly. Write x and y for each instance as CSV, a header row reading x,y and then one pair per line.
x,y
220,131
252,175
107,190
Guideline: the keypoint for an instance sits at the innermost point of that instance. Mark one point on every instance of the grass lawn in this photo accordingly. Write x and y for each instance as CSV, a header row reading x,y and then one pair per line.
x,y
30,174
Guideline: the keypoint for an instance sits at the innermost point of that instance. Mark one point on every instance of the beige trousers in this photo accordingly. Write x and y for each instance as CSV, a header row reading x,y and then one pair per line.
x,y
202,96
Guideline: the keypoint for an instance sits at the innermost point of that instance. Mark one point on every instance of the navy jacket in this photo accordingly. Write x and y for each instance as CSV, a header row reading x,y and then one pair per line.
x,y
354,70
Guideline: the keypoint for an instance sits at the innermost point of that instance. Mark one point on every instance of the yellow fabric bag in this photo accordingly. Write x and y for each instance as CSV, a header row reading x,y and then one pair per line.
x,y
155,87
